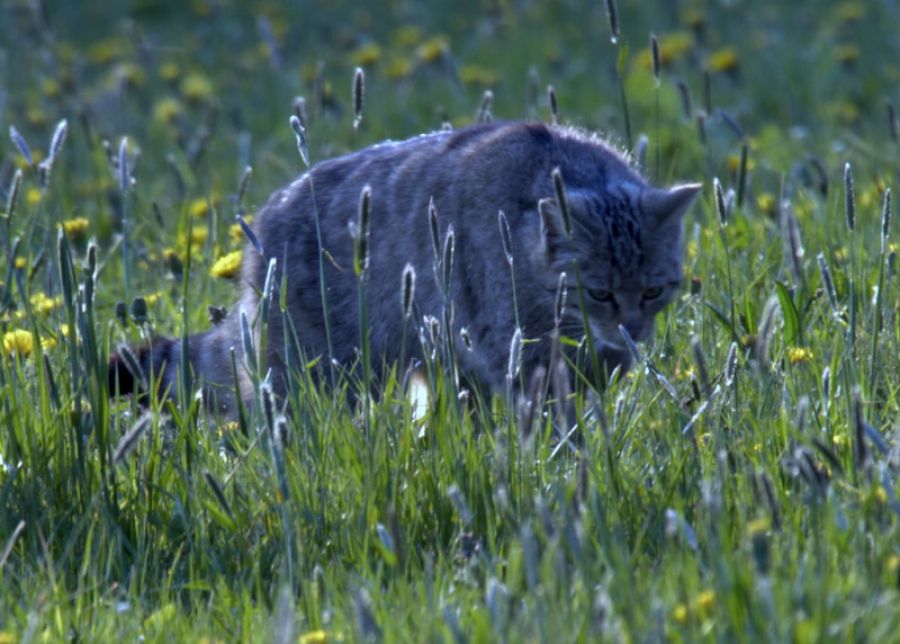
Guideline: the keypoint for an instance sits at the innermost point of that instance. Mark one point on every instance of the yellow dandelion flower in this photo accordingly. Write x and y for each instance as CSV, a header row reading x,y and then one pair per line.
x,y
796,355
406,36
766,203
705,601
367,55
50,87
37,117
48,343
228,428
236,232
724,60
33,195
152,298
680,614
841,255
21,262
313,637
398,68
227,265
129,74
843,110
105,51
881,495
846,54
197,87
199,207
167,110
433,49
201,8
198,237
691,249
850,11
839,440
18,341
76,227
757,527
478,75
40,303
169,72
734,163
893,563
672,47
693,17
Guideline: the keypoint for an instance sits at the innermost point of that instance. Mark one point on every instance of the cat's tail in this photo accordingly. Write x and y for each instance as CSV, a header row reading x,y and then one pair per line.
x,y
156,368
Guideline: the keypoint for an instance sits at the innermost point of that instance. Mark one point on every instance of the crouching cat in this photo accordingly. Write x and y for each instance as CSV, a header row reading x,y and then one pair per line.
x,y
620,235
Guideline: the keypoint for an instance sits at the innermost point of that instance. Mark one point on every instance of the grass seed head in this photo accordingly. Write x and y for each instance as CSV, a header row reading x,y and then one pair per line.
x,y
654,55
466,338
298,107
59,138
300,133
435,230
128,442
408,292
560,190
885,220
484,110
362,240
892,121
612,17
515,355
249,234
247,341
860,449
243,184
13,193
685,92
562,293
20,142
790,234
124,172
505,236
702,372
721,207
359,90
828,283
849,198
447,258
554,106
641,151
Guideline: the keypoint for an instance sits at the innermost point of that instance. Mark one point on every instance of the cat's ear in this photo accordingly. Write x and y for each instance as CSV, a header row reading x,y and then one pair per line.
x,y
662,205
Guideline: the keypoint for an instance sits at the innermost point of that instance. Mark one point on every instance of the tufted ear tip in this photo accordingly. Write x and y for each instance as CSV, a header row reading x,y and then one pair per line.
x,y
663,205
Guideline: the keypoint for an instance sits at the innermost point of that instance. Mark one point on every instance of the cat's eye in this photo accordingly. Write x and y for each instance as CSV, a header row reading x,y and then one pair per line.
x,y
653,292
602,295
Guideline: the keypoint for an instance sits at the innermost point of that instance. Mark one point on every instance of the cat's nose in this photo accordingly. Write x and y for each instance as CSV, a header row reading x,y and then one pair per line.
x,y
636,329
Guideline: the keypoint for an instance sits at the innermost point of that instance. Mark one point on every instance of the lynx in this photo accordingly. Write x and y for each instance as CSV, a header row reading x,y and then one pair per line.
x,y
621,236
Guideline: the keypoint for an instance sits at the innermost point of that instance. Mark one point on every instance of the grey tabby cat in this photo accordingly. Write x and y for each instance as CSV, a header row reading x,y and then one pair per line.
x,y
625,241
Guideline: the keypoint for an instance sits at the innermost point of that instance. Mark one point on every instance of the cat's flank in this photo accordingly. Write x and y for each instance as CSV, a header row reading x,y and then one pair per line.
x,y
624,242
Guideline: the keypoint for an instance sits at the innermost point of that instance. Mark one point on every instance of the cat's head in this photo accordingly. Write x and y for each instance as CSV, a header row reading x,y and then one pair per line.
x,y
626,244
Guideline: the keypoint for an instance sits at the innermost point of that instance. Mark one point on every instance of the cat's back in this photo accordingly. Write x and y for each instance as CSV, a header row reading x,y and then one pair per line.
x,y
487,160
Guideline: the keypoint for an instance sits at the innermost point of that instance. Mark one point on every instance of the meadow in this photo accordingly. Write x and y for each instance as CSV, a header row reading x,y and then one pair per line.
x,y
740,483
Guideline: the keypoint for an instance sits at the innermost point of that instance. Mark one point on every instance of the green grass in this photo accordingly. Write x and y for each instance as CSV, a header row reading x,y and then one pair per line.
x,y
758,503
